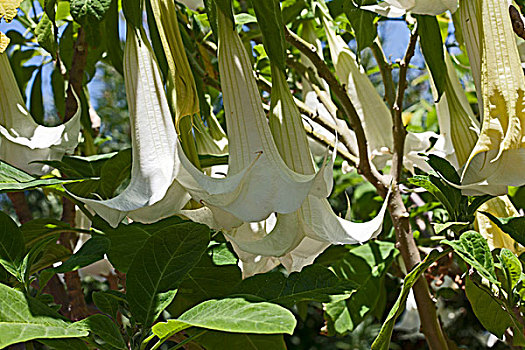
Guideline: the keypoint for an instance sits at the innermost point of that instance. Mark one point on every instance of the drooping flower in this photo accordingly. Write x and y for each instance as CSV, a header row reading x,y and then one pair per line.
x,y
457,123
500,207
498,159
258,182
22,140
397,8
372,110
296,239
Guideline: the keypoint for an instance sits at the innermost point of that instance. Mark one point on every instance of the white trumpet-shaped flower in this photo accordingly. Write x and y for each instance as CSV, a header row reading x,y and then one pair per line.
x,y
299,237
372,110
457,123
425,7
258,182
22,140
500,207
397,8
498,159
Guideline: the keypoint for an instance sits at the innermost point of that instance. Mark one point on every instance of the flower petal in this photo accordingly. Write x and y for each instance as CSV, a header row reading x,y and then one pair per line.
x,y
22,140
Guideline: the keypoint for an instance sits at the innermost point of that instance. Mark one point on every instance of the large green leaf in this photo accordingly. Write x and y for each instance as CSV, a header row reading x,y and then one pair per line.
x,y
512,267
159,267
127,240
38,229
106,302
473,248
23,318
104,328
489,312
46,36
365,266
89,11
514,227
270,21
382,341
313,283
213,340
362,22
432,47
91,251
204,282
11,240
424,181
231,315
13,179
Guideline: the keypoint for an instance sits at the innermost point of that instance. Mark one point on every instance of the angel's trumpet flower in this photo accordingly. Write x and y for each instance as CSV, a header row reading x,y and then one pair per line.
x,y
498,159
299,237
425,7
457,123
258,182
372,110
181,85
500,207
210,140
22,140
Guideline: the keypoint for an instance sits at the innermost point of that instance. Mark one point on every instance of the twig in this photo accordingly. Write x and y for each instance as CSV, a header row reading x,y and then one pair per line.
x,y
76,74
399,130
385,68
400,217
364,167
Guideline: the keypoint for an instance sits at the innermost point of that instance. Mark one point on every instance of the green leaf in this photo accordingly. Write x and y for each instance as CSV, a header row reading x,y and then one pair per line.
x,y
512,267
473,248
13,179
91,251
64,344
24,318
362,22
204,282
36,106
432,47
159,267
38,229
489,312
476,203
444,168
313,283
88,11
231,315
114,172
514,226
213,340
107,303
127,240
454,226
382,341
112,35
59,91
45,35
270,21
365,266
11,240
104,328
49,8
423,181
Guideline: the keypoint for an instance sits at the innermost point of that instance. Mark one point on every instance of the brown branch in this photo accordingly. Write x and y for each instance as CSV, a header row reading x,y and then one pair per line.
x,y
399,130
364,167
400,217
77,304
76,74
21,207
385,68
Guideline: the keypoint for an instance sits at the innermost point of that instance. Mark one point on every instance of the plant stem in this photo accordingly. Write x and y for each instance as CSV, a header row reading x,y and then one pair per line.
x,y
400,216
385,68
